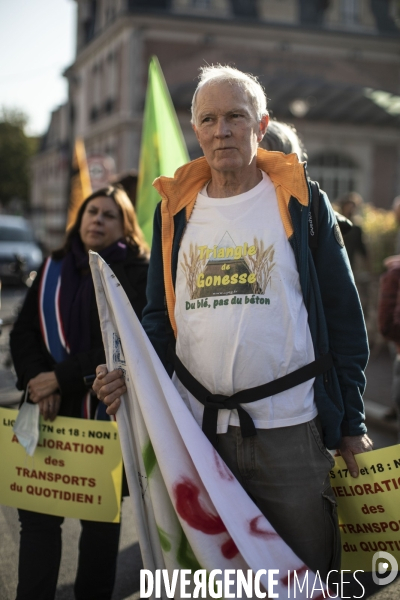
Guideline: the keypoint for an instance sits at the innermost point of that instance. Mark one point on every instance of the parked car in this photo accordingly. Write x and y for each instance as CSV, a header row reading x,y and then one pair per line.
x,y
20,254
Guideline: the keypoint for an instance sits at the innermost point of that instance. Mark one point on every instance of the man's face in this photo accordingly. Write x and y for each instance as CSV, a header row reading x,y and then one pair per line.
x,y
348,209
226,127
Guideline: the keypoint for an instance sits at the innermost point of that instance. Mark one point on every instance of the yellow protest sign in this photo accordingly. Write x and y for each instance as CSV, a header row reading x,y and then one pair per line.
x,y
76,470
369,507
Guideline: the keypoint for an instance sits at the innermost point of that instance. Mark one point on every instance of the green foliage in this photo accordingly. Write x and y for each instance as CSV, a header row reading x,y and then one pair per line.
x,y
16,150
380,230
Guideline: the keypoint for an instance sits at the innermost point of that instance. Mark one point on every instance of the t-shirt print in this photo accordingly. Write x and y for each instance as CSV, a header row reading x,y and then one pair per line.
x,y
228,269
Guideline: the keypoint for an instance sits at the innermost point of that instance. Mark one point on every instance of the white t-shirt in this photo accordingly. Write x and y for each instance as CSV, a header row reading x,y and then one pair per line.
x,y
239,311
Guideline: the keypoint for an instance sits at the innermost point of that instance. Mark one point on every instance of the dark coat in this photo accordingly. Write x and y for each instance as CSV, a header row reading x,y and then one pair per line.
x,y
31,356
389,305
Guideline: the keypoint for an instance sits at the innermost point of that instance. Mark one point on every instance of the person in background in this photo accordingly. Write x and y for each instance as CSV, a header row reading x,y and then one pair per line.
x,y
283,137
389,325
58,374
353,241
396,211
388,314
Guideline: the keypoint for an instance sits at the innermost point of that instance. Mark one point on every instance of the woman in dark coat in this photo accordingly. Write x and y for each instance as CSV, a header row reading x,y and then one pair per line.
x,y
56,345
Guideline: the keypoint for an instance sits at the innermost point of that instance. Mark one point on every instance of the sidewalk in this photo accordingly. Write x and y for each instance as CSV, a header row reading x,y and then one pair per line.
x,y
390,592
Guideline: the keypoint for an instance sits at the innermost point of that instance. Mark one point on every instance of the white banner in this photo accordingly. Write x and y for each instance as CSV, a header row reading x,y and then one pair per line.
x,y
191,512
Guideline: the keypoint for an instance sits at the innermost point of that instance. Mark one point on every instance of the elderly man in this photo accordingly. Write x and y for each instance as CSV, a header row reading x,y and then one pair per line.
x,y
270,340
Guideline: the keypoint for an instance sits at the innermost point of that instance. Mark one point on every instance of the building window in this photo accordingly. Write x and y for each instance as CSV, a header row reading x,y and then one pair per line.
x,y
110,83
202,4
312,11
350,11
336,173
89,22
110,11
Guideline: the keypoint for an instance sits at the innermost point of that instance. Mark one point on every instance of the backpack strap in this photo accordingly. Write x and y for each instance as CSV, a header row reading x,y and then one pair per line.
x,y
313,220
313,217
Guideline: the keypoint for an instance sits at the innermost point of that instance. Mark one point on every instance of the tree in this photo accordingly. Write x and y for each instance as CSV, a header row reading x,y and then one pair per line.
x,y
16,150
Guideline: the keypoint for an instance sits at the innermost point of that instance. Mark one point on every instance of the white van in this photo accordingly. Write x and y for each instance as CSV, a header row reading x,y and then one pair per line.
x,y
20,255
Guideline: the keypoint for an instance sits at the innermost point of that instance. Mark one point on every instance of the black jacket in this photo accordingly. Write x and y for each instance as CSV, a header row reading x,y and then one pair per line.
x,y
31,356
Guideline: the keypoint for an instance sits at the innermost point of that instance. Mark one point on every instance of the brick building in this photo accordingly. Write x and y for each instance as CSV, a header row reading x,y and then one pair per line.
x,y
330,67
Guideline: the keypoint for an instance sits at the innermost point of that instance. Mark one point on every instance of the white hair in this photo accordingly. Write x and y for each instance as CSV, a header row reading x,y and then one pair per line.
x,y
282,137
396,203
212,74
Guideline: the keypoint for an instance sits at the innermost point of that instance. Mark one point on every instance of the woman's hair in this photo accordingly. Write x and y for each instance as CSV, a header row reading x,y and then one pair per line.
x,y
133,235
212,74
282,137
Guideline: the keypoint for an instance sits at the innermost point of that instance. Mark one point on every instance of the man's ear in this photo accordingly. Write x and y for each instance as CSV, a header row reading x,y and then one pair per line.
x,y
196,133
262,127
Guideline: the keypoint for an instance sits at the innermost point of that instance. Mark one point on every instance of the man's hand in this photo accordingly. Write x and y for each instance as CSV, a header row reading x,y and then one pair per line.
x,y
42,385
109,387
49,406
351,445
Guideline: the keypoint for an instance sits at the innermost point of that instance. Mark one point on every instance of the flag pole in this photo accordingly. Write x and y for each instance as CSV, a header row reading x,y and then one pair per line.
x,y
81,186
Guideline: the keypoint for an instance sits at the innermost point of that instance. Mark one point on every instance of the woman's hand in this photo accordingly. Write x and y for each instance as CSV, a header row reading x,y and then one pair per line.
x,y
109,386
42,385
49,406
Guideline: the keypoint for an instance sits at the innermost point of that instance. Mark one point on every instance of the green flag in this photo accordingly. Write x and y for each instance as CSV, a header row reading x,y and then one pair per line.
x,y
163,148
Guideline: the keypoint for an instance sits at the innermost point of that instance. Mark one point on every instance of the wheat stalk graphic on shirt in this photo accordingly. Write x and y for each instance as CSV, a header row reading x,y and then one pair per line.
x,y
227,268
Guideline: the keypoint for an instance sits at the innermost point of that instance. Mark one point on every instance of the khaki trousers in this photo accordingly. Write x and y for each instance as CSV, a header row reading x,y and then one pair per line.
x,y
286,472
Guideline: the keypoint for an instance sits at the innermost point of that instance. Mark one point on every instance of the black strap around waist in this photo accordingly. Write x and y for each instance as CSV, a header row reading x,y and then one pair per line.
x,y
213,402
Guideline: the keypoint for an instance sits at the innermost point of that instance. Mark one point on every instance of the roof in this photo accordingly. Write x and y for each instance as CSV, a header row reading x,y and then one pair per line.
x,y
328,101
315,99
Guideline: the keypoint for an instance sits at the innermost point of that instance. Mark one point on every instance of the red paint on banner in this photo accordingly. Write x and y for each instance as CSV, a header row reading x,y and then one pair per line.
x,y
255,530
229,549
222,469
190,510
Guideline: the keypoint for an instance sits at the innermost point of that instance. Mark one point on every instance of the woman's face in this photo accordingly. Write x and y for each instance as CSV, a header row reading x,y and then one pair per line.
x,y
101,224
